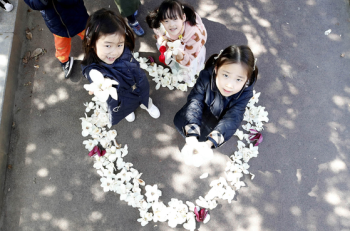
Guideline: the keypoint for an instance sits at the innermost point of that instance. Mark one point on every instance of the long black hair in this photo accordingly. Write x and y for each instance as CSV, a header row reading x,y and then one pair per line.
x,y
170,9
236,54
104,22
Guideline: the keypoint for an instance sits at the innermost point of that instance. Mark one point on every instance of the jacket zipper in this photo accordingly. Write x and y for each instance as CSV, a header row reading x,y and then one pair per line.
x,y
60,18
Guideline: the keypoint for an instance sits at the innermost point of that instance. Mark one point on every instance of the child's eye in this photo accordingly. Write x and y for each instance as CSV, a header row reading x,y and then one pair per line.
x,y
120,45
108,46
239,80
226,76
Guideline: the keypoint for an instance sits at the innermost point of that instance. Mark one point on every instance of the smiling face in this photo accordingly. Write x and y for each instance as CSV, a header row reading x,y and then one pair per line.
x,y
174,26
110,47
231,78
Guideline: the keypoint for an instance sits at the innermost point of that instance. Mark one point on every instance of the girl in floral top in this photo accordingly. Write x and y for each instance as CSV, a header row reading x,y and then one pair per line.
x,y
175,21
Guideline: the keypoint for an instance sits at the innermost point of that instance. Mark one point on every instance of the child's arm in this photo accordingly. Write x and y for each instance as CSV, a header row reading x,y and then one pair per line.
x,y
229,123
37,4
192,47
195,104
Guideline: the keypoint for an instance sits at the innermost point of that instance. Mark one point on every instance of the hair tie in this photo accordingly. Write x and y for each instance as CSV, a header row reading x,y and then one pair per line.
x,y
218,55
254,63
183,7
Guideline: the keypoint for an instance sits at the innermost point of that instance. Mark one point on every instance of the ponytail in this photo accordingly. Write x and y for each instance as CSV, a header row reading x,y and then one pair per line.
x,y
152,19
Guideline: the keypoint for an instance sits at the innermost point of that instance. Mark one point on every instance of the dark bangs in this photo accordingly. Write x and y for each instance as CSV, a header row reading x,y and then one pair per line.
x,y
104,22
170,10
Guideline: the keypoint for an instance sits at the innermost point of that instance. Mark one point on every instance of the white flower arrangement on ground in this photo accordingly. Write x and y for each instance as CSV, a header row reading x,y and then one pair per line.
x,y
120,177
162,76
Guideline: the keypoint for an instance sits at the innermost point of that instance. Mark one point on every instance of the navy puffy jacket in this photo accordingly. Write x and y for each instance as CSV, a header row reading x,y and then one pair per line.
x,y
127,72
65,18
205,98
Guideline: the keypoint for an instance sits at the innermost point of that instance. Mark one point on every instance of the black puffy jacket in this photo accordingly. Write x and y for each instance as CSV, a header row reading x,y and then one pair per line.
x,y
65,18
205,100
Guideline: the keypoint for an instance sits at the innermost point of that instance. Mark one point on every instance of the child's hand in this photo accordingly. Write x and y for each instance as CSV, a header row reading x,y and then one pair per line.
x,y
91,92
179,56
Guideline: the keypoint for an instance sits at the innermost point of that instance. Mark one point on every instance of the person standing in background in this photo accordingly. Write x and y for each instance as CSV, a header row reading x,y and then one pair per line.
x,y
128,9
65,19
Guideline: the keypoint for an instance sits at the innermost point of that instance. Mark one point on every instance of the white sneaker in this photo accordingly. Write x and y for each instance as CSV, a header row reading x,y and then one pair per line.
x,y
130,117
6,5
154,111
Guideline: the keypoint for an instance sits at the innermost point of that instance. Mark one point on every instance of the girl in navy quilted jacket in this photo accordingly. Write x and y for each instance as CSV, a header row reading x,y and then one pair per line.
x,y
216,104
65,19
108,44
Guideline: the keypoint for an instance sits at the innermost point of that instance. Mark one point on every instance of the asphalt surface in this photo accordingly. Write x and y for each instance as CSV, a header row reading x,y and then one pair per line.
x,y
302,175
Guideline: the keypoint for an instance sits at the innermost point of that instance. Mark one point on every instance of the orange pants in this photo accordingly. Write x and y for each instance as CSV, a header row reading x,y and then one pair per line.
x,y
63,46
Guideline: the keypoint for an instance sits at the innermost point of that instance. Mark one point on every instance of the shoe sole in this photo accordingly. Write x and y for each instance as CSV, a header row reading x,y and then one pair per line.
x,y
71,60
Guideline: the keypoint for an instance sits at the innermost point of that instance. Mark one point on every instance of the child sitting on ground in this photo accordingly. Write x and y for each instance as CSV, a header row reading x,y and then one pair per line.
x,y
173,21
108,43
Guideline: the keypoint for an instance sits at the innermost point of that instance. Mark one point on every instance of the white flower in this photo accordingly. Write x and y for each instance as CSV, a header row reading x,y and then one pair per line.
x,y
89,106
152,193
172,48
252,176
160,212
106,183
204,175
120,163
101,87
244,168
208,204
182,87
237,157
87,128
191,222
111,134
90,144
145,217
254,99
153,70
124,175
229,194
143,63
196,153
240,145
239,134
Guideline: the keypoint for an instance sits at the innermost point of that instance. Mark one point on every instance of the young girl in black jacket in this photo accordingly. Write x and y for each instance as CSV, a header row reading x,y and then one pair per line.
x,y
216,104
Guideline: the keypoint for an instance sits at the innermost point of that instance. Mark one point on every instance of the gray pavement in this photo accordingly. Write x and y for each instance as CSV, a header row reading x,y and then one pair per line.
x,y
302,171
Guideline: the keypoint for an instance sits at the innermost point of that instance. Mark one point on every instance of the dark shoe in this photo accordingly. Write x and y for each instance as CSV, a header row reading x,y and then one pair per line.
x,y
67,67
6,5
137,29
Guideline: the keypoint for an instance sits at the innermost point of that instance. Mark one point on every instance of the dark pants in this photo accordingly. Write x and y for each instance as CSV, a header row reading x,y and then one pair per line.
x,y
209,122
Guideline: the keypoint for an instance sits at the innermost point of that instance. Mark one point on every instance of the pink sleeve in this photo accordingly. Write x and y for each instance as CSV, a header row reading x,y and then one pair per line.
x,y
193,45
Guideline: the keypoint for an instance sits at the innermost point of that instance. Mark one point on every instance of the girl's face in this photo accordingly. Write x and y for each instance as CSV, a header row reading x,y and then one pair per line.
x,y
174,26
231,78
110,47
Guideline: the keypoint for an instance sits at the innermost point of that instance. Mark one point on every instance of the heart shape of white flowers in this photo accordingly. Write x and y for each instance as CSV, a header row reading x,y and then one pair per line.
x,y
120,177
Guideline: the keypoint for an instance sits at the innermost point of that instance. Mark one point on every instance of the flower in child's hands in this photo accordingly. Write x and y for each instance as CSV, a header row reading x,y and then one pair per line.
x,y
172,48
255,136
201,214
101,87
196,153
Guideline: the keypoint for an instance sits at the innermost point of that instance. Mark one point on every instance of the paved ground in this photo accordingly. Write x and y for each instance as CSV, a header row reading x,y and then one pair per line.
x,y
302,172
